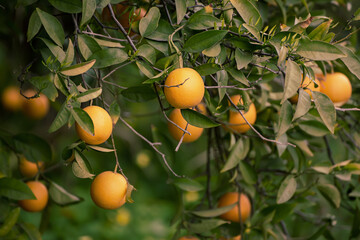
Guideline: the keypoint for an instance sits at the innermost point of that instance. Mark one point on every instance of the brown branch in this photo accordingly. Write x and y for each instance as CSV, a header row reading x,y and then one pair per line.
x,y
181,139
104,36
231,87
347,109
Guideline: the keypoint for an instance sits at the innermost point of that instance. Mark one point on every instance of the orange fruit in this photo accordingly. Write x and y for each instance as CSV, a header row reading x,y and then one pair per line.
x,y
177,133
337,87
188,238
30,169
12,99
201,108
309,86
41,193
236,121
35,108
208,9
122,13
102,126
233,215
108,190
184,88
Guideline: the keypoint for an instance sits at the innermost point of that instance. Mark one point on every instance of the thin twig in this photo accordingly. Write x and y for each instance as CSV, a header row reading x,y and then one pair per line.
x,y
231,87
347,109
182,138
104,36
153,145
115,69
122,29
114,84
167,12
264,67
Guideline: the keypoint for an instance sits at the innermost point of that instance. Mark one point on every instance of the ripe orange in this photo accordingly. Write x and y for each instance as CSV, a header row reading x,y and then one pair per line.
x,y
309,86
184,88
102,126
337,87
188,238
177,133
122,13
35,108
30,169
233,215
11,99
236,121
108,190
41,193
208,9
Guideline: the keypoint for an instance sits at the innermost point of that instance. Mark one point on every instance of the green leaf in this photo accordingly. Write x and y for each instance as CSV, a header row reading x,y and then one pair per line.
x,y
81,167
114,112
253,30
34,26
68,6
319,51
242,59
248,12
15,189
201,21
57,51
247,172
145,68
320,31
62,197
101,149
32,147
162,34
222,78
286,190
314,128
45,84
214,212
148,52
31,231
150,22
70,53
180,10
139,94
187,184
352,61
78,69
61,118
238,153
9,221
205,225
204,40
238,75
89,95
357,15
303,104
292,80
52,26
330,193
87,46
108,57
83,119
106,43
88,10
213,51
207,69
286,114
197,119
326,110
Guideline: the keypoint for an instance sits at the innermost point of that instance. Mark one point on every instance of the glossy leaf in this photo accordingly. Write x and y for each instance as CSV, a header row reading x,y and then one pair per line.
x,y
88,10
61,118
69,55
89,95
326,109
208,69
319,51
68,6
351,61
238,76
114,112
81,167
45,84
247,172
57,51
87,46
200,21
15,189
180,10
242,59
292,80
238,152
148,52
214,212
286,114
204,40
187,184
197,119
61,196
286,190
150,22
303,104
83,119
248,12
108,57
52,26
34,26
78,69
331,194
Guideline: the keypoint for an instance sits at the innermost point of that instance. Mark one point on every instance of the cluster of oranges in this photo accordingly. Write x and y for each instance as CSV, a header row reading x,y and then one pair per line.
x,y
34,108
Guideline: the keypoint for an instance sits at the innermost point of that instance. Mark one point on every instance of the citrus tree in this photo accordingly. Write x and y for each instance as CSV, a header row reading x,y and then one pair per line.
x,y
250,108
